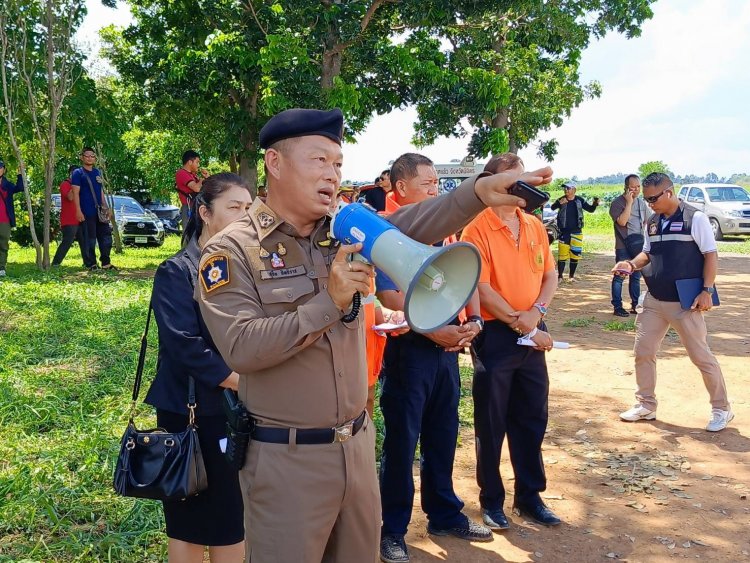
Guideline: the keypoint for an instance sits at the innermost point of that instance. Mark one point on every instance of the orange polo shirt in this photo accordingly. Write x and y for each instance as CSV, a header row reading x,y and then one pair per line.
x,y
515,272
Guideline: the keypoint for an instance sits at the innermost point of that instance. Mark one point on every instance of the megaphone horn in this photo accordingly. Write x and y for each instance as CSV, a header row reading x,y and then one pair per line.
x,y
437,282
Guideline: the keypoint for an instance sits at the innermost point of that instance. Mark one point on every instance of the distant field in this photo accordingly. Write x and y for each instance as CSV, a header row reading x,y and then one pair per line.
x,y
598,231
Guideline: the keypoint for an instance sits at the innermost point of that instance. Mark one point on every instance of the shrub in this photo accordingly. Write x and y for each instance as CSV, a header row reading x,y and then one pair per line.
x,y
22,234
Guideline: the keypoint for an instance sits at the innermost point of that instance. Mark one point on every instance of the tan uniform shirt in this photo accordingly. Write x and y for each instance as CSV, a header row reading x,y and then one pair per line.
x,y
273,319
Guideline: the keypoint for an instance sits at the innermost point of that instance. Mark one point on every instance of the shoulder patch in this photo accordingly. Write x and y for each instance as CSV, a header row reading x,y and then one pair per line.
x,y
215,271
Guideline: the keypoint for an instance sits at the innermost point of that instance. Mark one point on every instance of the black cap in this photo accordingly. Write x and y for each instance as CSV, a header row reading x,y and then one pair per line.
x,y
301,123
2,164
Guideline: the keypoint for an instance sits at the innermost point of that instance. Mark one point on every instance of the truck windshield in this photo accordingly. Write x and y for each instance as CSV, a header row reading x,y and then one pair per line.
x,y
728,193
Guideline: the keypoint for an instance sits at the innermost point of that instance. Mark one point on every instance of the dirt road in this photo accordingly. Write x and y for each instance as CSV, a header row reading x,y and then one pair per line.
x,y
647,491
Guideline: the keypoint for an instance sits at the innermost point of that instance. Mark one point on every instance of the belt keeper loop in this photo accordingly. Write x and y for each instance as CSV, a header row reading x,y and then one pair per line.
x,y
292,439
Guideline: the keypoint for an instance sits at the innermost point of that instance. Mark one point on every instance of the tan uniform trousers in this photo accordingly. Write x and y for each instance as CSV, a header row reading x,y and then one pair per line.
x,y
312,503
651,328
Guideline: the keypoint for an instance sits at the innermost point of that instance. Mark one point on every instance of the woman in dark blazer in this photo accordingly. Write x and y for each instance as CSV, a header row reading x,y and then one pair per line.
x,y
214,517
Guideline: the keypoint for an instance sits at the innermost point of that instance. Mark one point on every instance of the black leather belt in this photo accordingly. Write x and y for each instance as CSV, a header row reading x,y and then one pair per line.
x,y
310,435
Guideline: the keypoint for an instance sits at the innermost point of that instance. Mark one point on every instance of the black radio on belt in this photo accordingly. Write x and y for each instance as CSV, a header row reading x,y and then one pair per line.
x,y
239,427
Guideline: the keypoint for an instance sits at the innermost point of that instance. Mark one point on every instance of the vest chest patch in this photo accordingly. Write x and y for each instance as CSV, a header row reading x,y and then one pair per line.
x,y
676,226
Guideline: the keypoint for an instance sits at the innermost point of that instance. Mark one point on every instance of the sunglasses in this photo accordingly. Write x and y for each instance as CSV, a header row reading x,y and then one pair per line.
x,y
655,198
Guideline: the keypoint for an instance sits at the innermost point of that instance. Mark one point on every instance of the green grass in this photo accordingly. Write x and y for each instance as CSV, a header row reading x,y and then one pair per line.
x,y
598,232
620,326
68,346
579,322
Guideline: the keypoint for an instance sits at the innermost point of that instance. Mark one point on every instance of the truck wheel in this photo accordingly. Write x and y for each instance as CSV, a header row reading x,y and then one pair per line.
x,y
718,235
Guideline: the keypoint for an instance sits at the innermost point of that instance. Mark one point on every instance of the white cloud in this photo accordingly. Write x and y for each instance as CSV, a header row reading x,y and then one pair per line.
x,y
658,91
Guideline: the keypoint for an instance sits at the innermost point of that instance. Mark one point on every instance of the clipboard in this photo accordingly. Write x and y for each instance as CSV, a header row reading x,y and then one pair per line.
x,y
688,290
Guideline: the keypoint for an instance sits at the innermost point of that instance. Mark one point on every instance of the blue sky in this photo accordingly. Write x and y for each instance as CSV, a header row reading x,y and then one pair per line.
x,y
679,93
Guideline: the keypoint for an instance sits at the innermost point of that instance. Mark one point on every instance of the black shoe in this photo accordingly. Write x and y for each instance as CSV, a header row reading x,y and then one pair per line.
x,y
109,267
495,520
393,549
93,268
633,311
620,312
538,512
467,531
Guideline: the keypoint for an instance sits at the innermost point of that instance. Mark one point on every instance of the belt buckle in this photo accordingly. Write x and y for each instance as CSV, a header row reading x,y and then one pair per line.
x,y
344,432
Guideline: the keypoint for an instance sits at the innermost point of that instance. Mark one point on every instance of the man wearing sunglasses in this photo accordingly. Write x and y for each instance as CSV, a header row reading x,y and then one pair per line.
x,y
679,245
376,196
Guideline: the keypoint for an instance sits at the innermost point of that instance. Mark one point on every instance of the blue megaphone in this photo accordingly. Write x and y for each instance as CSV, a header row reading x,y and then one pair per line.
x,y
437,282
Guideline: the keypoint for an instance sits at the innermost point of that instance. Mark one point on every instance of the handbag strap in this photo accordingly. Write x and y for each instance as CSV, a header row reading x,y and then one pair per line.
x,y
91,187
139,373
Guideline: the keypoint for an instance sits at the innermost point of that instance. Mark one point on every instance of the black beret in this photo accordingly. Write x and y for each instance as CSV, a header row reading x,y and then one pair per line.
x,y
301,123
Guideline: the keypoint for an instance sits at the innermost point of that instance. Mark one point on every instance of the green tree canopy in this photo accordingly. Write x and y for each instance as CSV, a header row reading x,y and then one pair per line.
x,y
510,69
654,166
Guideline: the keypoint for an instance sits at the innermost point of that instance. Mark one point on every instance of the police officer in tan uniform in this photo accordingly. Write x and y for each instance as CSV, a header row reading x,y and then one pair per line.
x,y
273,289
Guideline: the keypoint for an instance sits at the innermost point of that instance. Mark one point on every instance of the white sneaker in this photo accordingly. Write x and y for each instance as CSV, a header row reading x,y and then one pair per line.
x,y
2,273
638,412
719,420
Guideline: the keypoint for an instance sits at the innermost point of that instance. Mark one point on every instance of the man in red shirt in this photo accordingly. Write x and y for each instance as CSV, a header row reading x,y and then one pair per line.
x,y
69,205
188,182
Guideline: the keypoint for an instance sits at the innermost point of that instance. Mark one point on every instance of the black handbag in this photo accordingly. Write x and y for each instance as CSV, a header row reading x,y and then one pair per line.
x,y
157,464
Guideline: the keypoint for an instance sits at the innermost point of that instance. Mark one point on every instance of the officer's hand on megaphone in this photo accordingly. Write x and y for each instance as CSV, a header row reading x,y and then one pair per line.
x,y
348,276
493,190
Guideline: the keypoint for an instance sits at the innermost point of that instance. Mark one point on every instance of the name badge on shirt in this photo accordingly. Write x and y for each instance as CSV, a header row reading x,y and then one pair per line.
x,y
283,273
653,229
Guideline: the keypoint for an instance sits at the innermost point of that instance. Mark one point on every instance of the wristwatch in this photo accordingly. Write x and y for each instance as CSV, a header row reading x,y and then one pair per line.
x,y
476,319
542,308
710,290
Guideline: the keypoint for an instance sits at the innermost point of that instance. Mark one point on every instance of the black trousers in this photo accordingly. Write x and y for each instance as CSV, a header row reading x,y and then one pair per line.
x,y
95,232
419,401
69,234
511,389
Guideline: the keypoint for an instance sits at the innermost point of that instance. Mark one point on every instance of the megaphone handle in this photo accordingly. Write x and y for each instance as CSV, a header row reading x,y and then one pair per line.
x,y
356,304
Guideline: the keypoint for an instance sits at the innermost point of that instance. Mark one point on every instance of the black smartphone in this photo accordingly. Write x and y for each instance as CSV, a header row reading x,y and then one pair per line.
x,y
533,197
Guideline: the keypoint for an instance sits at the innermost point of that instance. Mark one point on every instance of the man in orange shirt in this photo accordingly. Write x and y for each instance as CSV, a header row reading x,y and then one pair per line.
x,y
419,400
511,385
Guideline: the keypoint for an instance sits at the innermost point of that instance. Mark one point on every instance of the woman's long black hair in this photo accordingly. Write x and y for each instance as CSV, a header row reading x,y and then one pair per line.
x,y
213,187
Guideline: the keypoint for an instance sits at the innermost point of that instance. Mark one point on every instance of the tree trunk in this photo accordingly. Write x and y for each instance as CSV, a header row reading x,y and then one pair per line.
x,y
249,140
233,163
30,209
332,55
116,238
502,119
49,178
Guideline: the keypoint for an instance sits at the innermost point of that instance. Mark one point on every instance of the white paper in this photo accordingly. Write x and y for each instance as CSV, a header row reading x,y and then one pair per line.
x,y
385,327
223,445
526,341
